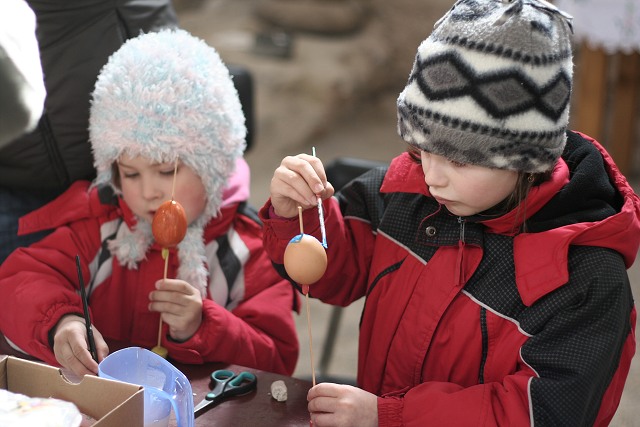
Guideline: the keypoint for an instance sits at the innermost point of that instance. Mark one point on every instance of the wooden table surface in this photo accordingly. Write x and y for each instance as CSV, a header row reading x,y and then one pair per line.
x,y
257,408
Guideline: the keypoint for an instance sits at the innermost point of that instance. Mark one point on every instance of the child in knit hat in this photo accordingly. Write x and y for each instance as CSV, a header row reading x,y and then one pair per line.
x,y
492,255
165,123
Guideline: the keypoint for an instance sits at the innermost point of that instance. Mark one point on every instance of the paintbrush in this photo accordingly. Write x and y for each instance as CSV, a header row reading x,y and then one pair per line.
x,y
85,308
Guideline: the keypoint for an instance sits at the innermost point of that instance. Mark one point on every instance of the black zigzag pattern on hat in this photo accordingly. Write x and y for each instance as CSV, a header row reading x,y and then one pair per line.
x,y
502,93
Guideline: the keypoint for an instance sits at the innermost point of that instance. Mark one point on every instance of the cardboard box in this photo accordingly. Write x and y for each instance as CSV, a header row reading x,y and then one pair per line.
x,y
111,403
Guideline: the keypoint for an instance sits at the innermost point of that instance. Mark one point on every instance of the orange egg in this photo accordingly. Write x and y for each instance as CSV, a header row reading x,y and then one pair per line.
x,y
169,224
305,259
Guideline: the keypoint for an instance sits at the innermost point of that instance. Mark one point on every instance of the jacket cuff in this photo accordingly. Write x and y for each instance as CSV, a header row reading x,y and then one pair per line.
x,y
390,412
286,228
184,352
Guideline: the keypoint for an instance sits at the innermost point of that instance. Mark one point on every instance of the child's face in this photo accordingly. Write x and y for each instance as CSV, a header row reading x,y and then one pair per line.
x,y
466,189
146,185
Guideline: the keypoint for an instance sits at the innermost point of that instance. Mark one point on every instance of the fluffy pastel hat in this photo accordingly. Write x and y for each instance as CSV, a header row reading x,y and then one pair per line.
x,y
491,85
164,96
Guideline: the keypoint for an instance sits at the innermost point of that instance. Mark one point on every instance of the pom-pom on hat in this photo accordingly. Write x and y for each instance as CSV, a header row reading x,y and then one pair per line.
x,y
164,96
491,86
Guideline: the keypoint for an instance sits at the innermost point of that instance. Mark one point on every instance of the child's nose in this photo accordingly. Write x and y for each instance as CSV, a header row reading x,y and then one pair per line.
x,y
150,190
434,175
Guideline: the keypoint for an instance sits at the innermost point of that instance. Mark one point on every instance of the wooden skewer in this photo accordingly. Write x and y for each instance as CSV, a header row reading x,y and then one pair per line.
x,y
166,266
165,255
324,244
313,369
300,220
305,291
173,184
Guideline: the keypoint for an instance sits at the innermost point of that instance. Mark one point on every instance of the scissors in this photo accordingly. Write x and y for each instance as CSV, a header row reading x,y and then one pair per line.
x,y
226,384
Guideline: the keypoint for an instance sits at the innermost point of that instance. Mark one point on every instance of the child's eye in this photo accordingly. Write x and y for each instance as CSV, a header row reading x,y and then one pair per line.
x,y
168,171
130,175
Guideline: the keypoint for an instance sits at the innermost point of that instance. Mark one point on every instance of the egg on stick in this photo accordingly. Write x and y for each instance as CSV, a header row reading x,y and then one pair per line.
x,y
305,261
169,226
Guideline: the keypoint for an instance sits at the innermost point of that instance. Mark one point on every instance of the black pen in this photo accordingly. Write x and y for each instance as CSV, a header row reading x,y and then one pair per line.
x,y
85,307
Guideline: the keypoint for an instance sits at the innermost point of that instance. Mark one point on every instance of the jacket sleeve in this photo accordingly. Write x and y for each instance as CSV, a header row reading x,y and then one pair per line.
x,y
39,285
571,369
260,331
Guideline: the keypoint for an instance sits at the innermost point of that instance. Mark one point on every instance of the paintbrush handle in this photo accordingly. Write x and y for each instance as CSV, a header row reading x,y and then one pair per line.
x,y
85,309
92,343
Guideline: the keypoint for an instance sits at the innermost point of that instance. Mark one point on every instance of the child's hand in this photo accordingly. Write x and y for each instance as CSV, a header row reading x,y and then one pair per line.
x,y
180,306
296,182
342,405
70,346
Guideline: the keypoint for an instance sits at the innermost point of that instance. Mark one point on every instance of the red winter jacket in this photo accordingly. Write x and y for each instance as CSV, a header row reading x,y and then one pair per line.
x,y
467,322
247,316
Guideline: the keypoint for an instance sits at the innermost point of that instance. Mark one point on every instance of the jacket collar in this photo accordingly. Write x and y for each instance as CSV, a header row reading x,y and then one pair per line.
x,y
541,257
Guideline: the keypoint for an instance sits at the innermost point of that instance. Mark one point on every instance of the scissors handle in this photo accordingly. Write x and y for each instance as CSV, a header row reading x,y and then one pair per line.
x,y
227,383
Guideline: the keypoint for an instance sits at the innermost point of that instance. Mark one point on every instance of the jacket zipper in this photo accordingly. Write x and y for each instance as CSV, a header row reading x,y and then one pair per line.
x,y
485,343
460,260
483,311
461,223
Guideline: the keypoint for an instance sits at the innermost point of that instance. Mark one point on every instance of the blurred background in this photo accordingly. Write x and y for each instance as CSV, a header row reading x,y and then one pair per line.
x,y
326,74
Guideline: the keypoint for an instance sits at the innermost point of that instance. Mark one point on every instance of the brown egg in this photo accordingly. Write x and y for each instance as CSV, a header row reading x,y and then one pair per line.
x,y
169,224
305,259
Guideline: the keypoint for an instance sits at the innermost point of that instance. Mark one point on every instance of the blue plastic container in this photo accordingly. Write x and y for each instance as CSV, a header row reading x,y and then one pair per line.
x,y
165,387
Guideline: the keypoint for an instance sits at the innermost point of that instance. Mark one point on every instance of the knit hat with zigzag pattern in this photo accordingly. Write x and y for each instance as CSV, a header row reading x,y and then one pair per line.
x,y
491,85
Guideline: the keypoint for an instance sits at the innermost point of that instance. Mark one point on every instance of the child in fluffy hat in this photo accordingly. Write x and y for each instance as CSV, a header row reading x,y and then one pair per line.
x,y
492,255
163,98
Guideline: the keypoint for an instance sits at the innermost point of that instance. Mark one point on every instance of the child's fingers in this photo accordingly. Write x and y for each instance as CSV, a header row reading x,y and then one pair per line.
x,y
288,196
298,181
310,169
166,286
175,297
316,179
74,355
291,183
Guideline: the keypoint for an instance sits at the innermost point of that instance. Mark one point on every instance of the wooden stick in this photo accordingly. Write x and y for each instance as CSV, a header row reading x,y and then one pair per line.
x,y
305,291
160,332
173,184
166,258
313,369
166,266
300,219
